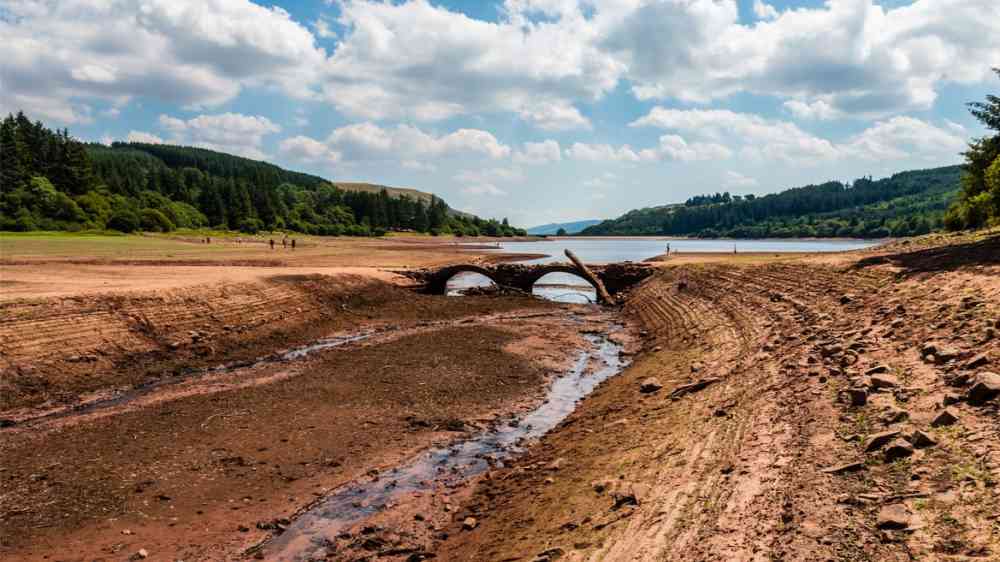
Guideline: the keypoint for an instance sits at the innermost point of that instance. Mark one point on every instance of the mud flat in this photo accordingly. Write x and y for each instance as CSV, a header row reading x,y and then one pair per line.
x,y
796,408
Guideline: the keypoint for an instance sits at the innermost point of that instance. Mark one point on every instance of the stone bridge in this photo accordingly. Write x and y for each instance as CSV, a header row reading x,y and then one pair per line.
x,y
616,277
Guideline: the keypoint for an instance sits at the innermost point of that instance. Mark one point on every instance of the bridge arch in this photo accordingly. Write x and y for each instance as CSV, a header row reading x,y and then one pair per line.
x,y
439,285
541,271
565,285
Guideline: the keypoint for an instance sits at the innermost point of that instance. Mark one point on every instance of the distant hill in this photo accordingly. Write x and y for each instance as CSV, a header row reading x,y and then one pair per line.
x,y
570,227
908,203
51,181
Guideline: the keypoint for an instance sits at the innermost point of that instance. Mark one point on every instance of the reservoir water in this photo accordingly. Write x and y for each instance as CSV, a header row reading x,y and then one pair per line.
x,y
564,287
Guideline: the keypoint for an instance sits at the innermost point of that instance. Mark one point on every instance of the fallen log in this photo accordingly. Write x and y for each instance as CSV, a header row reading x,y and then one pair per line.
x,y
602,292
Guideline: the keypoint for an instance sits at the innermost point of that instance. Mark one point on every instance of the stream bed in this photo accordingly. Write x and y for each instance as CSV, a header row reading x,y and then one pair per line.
x,y
313,530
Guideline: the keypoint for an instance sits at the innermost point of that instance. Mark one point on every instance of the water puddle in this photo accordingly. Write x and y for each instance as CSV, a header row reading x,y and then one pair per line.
x,y
445,467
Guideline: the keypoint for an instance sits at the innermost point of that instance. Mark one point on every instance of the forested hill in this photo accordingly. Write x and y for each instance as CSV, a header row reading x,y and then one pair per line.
x,y
50,181
908,203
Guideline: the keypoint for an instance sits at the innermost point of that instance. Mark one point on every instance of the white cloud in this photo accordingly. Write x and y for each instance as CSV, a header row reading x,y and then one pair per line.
x,y
674,147
322,27
368,141
903,137
304,149
601,153
764,11
142,136
489,175
819,110
736,179
759,137
419,61
484,189
857,57
538,152
234,133
62,56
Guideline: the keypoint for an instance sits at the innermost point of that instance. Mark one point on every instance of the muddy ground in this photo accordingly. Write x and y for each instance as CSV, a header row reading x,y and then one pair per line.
x,y
797,413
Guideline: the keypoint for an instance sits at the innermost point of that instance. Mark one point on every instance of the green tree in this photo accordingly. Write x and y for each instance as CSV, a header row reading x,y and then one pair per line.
x,y
979,203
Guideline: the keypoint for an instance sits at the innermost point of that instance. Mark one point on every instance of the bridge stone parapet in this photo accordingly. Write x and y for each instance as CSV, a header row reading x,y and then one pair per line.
x,y
617,277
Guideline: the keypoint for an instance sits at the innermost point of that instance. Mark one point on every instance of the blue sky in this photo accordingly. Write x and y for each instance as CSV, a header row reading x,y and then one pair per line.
x,y
540,110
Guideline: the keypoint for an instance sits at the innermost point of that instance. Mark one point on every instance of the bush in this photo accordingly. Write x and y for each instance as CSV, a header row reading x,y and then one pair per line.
x,y
153,220
251,226
124,221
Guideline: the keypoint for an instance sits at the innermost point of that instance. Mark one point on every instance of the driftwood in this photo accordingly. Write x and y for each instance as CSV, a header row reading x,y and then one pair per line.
x,y
602,292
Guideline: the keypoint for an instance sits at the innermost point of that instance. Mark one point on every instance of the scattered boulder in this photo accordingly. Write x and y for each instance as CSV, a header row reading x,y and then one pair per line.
x,y
942,352
884,381
985,387
898,449
685,389
877,369
842,468
140,554
878,440
921,440
951,398
846,298
894,516
858,396
945,418
469,523
894,414
977,361
550,555
650,385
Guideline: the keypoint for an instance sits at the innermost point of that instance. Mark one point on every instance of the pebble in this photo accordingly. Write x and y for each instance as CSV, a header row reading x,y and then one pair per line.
x,y
945,418
893,516
650,385
469,523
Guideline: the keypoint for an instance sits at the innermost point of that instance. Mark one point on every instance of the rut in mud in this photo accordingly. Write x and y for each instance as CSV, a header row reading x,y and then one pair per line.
x,y
774,455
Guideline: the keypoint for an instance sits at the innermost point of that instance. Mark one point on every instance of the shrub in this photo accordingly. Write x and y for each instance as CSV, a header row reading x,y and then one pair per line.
x,y
153,220
124,221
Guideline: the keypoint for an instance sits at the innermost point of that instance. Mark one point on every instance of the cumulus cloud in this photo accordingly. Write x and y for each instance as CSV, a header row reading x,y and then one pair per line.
x,y
483,189
368,141
60,57
764,11
142,136
601,153
674,147
304,149
234,133
759,138
853,55
414,60
538,152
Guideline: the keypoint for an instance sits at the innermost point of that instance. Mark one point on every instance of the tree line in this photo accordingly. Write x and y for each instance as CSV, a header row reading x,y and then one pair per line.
x,y
906,204
51,181
978,204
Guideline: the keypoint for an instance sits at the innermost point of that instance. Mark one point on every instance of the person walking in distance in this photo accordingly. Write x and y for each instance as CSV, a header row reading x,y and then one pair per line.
x,y
272,244
293,244
284,243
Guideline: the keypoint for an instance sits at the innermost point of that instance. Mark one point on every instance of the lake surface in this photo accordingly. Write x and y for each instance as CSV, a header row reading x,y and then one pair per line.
x,y
564,287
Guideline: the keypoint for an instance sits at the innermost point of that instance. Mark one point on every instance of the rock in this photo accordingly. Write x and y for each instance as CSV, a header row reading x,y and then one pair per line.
x,y
858,396
4,422
898,449
550,555
951,398
894,414
877,441
842,468
877,369
846,299
140,554
884,381
650,385
921,440
469,523
942,352
977,361
945,418
127,532
600,486
684,389
985,387
894,516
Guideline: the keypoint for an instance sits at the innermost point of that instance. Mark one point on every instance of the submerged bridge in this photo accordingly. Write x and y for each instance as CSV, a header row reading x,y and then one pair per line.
x,y
615,277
